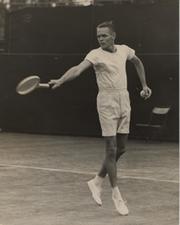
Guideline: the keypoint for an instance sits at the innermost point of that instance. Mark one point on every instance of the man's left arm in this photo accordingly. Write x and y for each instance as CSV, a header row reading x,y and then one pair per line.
x,y
146,91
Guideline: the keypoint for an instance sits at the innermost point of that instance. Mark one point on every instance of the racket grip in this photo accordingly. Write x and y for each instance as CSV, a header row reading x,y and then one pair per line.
x,y
43,85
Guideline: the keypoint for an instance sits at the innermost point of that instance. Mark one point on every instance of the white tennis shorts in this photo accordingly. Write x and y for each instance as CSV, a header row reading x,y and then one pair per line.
x,y
114,111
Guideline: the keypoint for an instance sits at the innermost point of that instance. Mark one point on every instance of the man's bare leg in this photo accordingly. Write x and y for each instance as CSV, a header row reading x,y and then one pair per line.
x,y
120,142
114,149
110,165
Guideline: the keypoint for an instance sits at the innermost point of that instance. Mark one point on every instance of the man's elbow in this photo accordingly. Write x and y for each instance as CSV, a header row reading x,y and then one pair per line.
x,y
76,71
79,69
136,61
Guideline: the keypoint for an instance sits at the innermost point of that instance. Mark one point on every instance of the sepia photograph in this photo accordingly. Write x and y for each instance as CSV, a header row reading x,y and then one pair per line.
x,y
89,112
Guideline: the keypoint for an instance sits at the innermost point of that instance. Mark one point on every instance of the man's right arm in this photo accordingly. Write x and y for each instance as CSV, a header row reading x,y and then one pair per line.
x,y
71,74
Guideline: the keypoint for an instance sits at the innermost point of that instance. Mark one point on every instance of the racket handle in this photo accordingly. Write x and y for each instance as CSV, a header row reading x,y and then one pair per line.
x,y
43,85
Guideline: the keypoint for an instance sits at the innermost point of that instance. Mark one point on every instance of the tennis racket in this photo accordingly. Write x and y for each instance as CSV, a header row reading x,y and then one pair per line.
x,y
29,84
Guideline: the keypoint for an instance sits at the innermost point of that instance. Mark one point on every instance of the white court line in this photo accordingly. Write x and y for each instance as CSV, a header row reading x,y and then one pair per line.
x,y
150,178
86,173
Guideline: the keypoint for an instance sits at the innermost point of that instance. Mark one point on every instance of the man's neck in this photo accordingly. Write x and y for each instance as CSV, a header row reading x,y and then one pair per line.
x,y
111,49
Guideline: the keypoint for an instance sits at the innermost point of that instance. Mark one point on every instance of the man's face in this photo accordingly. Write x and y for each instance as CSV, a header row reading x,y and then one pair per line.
x,y
105,37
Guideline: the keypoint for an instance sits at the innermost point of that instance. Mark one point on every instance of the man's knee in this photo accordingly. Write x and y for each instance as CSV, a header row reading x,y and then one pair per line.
x,y
111,148
121,144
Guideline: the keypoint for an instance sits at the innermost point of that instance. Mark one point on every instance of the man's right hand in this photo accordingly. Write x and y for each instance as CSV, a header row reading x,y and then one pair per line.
x,y
55,83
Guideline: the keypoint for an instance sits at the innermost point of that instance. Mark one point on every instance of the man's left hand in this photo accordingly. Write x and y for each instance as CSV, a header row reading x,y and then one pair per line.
x,y
146,92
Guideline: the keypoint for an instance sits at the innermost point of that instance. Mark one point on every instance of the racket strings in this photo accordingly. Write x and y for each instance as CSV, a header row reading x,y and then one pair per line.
x,y
28,85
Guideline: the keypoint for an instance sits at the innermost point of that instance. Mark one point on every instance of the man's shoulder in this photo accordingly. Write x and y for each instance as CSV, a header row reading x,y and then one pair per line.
x,y
125,48
94,53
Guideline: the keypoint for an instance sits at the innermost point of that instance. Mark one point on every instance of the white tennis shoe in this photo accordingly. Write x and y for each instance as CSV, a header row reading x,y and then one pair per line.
x,y
120,206
96,191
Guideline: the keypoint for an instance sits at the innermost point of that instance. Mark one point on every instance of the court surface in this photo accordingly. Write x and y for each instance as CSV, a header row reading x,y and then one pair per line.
x,y
43,181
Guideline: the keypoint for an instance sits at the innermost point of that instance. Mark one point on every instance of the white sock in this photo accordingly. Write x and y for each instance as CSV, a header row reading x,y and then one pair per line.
x,y
98,180
116,193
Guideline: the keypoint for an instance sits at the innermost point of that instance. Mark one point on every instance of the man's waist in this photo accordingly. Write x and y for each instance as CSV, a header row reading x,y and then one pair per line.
x,y
112,89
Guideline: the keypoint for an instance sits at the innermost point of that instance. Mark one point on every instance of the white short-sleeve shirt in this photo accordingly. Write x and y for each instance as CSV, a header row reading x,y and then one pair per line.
x,y
110,67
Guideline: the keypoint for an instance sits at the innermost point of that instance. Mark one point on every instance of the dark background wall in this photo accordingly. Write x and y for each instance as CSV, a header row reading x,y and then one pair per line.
x,y
47,41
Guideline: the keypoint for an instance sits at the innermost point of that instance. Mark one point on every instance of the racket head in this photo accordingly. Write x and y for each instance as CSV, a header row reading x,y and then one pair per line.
x,y
27,85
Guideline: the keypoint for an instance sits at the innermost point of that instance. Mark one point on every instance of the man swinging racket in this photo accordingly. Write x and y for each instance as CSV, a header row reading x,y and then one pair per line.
x,y
113,105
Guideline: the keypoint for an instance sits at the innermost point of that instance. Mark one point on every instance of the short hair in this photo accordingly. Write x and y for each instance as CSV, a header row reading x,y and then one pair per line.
x,y
108,24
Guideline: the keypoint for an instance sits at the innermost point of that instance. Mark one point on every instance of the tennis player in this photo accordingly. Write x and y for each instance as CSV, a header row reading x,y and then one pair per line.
x,y
113,104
